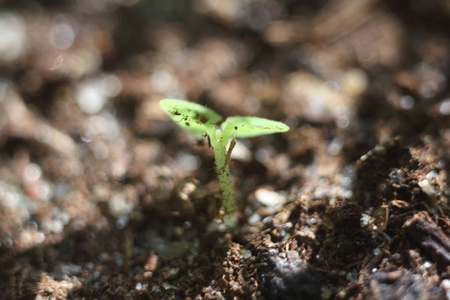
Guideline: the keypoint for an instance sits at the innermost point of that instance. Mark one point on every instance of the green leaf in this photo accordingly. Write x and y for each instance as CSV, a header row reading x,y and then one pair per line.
x,y
247,127
190,116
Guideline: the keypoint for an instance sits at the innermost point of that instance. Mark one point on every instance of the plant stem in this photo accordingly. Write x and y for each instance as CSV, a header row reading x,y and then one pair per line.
x,y
223,172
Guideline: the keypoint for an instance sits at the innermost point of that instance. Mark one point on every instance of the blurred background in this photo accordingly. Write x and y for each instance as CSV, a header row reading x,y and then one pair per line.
x,y
84,143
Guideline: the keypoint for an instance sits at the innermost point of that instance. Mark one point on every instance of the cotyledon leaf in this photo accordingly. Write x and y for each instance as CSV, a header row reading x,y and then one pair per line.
x,y
190,116
247,127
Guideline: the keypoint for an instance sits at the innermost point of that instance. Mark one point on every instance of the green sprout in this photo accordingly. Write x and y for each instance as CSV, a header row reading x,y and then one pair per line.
x,y
200,120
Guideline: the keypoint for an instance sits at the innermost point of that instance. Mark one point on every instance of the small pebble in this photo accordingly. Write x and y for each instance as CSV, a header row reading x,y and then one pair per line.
x,y
269,198
14,36
246,254
444,108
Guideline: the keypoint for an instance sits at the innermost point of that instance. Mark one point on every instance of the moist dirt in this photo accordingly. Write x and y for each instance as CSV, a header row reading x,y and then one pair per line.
x,y
102,196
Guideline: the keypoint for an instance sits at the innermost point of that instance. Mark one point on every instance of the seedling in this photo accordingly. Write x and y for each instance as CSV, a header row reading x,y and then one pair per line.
x,y
201,121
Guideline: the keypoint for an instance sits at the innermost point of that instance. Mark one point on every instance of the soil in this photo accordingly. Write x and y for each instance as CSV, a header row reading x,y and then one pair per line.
x,y
102,196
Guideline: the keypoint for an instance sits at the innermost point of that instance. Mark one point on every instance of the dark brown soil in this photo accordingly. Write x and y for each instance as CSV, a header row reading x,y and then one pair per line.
x,y
103,197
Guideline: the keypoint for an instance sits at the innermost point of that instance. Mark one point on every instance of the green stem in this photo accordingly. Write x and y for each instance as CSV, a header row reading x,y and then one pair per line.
x,y
223,172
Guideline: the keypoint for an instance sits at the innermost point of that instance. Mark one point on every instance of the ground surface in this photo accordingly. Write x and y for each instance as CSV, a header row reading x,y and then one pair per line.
x,y
102,196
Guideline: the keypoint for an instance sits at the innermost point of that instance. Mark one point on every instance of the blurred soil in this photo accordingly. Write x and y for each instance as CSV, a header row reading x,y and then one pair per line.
x,y
103,197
